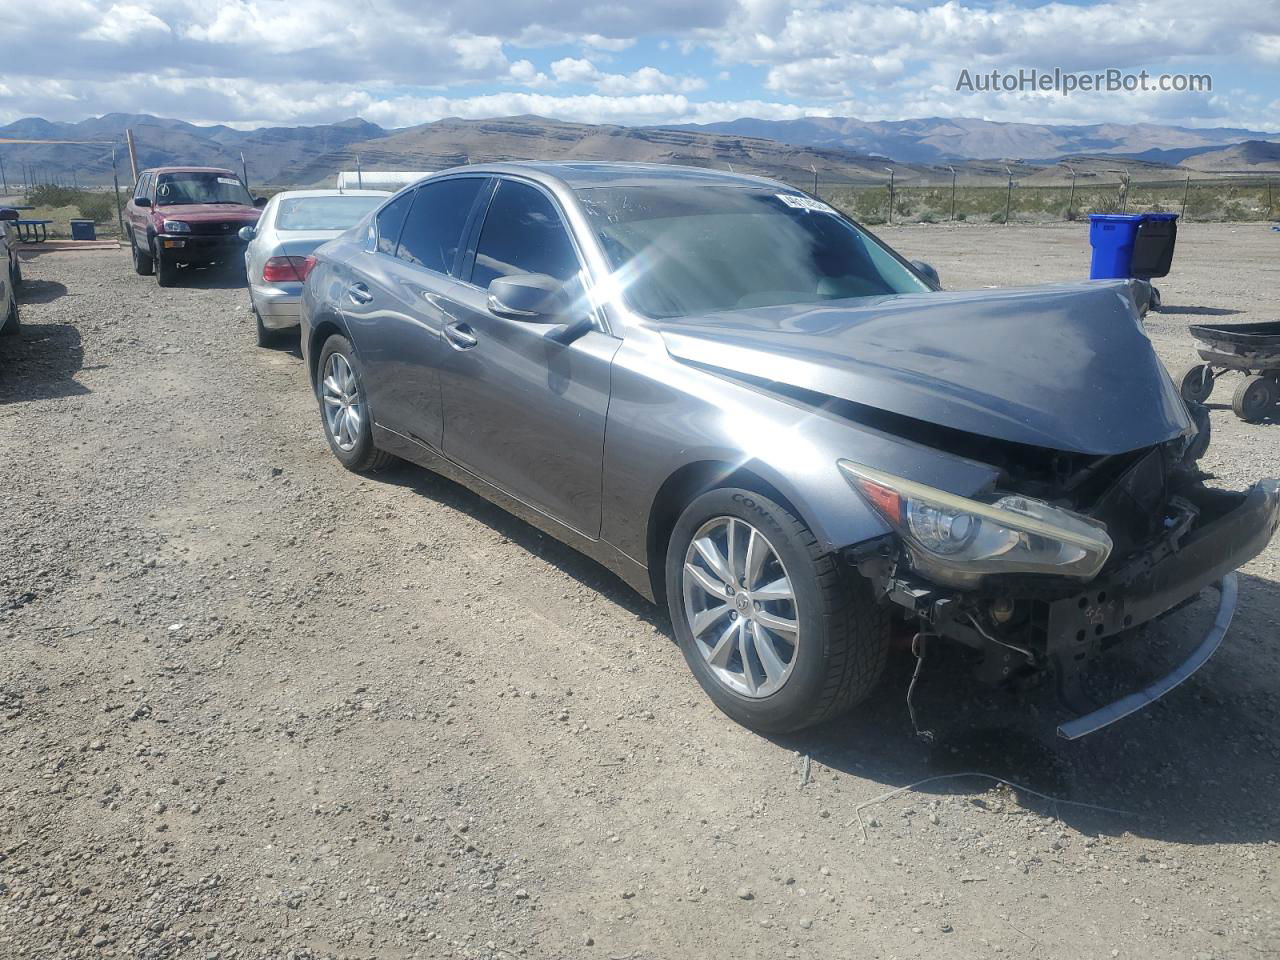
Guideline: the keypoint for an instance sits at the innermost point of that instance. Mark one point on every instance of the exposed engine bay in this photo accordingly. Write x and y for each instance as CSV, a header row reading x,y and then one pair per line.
x,y
1171,535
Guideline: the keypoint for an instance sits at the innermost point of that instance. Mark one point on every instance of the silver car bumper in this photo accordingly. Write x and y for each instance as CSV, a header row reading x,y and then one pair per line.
x,y
279,304
1105,716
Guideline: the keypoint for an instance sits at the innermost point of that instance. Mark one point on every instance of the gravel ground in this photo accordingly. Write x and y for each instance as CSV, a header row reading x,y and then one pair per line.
x,y
252,705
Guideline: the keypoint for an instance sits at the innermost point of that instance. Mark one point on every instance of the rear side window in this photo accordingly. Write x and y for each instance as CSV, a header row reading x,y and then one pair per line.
x,y
433,231
144,182
523,233
390,219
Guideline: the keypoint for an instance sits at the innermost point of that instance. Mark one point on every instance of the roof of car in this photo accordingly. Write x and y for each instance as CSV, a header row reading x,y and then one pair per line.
x,y
230,173
608,173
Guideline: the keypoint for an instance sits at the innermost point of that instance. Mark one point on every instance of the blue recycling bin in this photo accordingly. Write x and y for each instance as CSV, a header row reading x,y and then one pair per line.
x,y
1112,236
82,230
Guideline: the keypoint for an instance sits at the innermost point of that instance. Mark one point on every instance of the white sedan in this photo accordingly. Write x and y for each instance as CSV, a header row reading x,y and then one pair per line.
x,y
276,261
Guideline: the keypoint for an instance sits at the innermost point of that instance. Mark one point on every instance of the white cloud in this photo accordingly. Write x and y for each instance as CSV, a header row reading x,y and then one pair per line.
x,y
231,60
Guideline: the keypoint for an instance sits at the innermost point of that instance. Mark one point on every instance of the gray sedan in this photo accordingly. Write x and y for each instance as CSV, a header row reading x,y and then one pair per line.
x,y
292,225
753,411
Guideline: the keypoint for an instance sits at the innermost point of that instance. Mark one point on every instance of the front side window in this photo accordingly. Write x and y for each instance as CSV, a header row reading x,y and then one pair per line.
x,y
390,220
523,233
203,187
433,231
323,213
685,249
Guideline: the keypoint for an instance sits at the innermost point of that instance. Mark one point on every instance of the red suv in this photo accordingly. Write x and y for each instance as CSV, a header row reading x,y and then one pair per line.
x,y
187,215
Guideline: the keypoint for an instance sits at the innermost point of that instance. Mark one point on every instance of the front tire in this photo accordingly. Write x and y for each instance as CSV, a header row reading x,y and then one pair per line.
x,y
166,271
780,635
143,264
344,408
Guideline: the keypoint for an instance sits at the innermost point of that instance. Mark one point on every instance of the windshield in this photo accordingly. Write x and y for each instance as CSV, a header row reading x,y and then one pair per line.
x,y
688,249
323,213
176,188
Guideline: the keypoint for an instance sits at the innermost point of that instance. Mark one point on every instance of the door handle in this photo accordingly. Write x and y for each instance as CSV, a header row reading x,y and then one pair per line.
x,y
460,335
359,293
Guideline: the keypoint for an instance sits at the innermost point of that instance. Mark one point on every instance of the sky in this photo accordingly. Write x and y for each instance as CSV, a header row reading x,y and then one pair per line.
x,y
250,63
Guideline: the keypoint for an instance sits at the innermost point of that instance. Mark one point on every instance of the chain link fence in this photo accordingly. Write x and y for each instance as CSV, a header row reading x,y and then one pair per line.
x,y
1234,199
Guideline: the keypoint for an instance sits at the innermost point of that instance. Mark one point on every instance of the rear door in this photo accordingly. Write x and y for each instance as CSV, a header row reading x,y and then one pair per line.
x,y
394,302
521,411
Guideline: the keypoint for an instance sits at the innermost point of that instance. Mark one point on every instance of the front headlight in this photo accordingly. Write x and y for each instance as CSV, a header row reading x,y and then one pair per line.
x,y
954,540
177,226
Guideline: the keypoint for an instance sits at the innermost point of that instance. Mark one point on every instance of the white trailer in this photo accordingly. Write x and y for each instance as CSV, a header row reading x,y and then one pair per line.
x,y
379,179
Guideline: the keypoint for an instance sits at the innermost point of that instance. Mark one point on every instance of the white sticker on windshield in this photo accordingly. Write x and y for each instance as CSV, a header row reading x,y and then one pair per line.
x,y
229,181
804,203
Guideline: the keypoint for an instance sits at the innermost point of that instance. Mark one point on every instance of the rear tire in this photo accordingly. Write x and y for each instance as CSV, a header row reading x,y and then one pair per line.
x,y
1255,398
842,636
143,264
360,456
17,275
266,338
1196,383
166,272
12,322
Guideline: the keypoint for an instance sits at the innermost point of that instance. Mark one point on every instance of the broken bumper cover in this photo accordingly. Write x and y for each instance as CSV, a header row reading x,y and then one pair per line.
x,y
1076,625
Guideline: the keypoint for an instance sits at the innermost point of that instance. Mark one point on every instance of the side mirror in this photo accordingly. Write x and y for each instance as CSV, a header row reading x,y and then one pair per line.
x,y
248,233
8,213
926,270
142,201
533,297
259,202
537,298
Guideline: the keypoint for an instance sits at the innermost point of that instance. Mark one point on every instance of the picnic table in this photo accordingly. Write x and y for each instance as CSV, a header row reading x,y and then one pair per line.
x,y
32,231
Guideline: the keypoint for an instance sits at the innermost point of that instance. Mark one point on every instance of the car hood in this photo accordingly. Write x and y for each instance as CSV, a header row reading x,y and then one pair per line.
x,y
1063,366
210,212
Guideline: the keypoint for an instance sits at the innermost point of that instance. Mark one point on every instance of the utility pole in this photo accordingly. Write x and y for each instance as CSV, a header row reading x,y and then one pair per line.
x,y
1071,197
890,169
953,193
1008,198
133,154
244,170
115,178
815,179
360,174
4,181
1186,188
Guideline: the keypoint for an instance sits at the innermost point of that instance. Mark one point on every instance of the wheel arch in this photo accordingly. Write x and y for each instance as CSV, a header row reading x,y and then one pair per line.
x,y
324,326
691,481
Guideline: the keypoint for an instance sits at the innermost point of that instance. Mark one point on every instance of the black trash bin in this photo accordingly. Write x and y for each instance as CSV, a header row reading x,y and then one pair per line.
x,y
1153,247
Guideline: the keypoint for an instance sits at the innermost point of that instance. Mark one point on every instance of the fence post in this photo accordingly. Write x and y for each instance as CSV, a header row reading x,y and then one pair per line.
x,y
1008,198
1186,188
815,179
1271,210
4,181
890,169
953,193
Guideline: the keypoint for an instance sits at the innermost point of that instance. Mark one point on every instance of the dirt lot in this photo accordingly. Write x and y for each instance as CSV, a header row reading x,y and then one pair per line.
x,y
252,705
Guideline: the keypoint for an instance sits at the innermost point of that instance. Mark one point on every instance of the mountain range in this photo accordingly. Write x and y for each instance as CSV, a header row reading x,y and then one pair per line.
x,y
838,149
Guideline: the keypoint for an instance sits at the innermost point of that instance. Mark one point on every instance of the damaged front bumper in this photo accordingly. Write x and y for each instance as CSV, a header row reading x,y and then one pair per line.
x,y
1063,630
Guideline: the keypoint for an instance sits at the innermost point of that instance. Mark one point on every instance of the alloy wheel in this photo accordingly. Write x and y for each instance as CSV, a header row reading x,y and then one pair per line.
x,y
740,607
340,393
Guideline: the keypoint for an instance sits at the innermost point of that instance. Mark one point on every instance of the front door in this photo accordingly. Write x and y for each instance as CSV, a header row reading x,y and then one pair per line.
x,y
521,411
